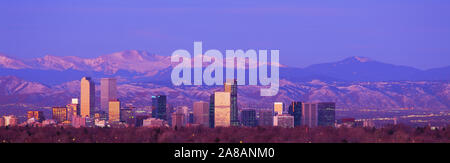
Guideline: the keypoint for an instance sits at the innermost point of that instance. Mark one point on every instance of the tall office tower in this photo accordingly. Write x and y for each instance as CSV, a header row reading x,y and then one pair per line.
x,y
87,97
231,87
265,118
59,114
11,120
326,113
309,114
178,118
201,113
284,120
295,109
222,109
211,111
108,92
248,117
37,115
278,108
160,105
154,103
114,111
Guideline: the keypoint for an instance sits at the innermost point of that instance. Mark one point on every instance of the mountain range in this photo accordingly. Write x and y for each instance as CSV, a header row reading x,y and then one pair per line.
x,y
353,83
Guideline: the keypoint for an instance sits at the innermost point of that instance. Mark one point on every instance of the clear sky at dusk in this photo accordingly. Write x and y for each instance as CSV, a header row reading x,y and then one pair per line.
x,y
405,32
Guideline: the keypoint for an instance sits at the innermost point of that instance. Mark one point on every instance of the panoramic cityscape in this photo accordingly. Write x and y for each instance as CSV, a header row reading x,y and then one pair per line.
x,y
224,72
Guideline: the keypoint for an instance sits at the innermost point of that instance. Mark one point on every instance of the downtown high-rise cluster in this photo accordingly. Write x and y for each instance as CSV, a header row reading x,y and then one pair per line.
x,y
221,111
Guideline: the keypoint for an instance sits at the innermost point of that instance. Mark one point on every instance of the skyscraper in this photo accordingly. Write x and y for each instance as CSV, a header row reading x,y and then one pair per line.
x,y
318,114
278,108
248,117
201,113
178,118
59,114
295,109
211,111
309,114
222,109
108,92
160,105
114,111
326,113
231,87
87,97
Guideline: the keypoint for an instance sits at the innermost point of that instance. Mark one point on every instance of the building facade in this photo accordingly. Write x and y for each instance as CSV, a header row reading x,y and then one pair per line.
x,y
114,111
59,114
108,92
265,118
37,115
222,110
160,104
278,108
87,97
326,113
248,117
295,109
309,114
201,113
284,120
231,87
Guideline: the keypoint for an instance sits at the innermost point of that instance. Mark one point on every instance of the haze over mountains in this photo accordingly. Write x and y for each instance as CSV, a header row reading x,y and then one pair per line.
x,y
353,83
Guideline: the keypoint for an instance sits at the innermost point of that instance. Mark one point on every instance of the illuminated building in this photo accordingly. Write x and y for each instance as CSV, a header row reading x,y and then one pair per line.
x,y
87,97
72,110
37,115
278,108
222,109
201,113
231,87
59,114
295,109
108,92
114,111
11,120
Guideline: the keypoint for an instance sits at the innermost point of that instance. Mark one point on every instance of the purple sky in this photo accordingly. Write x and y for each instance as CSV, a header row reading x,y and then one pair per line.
x,y
405,32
